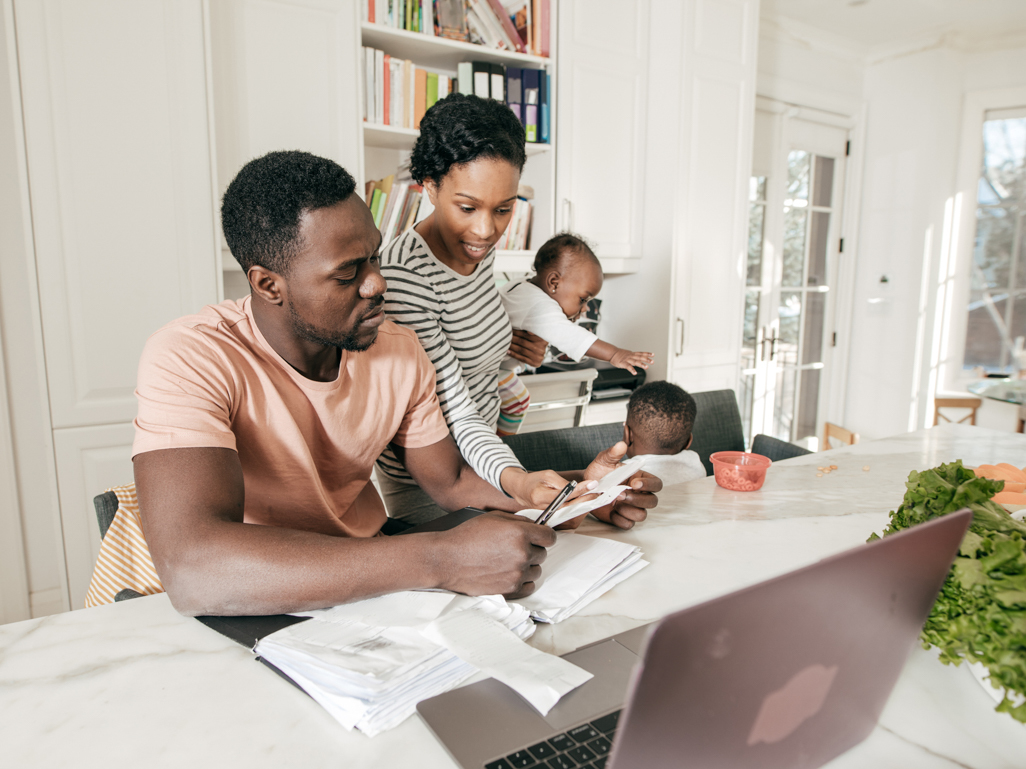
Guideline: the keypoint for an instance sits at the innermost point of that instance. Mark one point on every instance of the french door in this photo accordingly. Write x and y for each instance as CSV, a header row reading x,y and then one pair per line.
x,y
795,201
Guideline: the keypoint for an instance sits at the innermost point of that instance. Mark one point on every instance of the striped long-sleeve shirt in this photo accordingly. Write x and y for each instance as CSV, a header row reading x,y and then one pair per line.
x,y
466,333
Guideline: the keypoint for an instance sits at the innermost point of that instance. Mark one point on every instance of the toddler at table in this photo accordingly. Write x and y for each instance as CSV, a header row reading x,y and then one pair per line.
x,y
567,275
660,418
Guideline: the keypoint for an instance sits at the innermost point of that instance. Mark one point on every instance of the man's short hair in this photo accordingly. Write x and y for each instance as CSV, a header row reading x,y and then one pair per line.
x,y
664,413
262,207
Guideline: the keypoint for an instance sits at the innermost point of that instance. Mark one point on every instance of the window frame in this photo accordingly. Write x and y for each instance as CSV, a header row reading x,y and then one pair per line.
x,y
943,368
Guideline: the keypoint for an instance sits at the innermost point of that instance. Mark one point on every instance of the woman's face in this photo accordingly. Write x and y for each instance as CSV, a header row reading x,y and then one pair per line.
x,y
473,204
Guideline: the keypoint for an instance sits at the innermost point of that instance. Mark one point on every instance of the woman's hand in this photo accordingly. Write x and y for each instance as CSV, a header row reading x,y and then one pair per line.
x,y
534,491
632,506
528,347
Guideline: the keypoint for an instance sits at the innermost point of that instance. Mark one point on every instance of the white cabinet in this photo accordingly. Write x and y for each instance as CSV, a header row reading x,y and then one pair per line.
x,y
118,151
602,90
116,126
717,114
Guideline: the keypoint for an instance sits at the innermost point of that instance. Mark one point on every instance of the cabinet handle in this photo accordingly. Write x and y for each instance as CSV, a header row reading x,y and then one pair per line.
x,y
680,339
568,214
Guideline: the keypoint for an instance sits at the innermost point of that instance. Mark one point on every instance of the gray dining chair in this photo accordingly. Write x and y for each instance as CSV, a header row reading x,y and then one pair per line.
x,y
106,505
776,449
717,428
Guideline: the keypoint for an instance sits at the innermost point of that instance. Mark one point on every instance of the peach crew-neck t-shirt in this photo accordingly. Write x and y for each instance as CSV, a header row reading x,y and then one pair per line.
x,y
307,448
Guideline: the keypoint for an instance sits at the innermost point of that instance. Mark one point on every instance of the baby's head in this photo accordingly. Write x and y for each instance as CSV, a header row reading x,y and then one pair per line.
x,y
660,417
568,271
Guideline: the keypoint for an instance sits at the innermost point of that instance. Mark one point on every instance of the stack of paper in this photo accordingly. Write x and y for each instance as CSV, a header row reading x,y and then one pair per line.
x,y
577,570
369,663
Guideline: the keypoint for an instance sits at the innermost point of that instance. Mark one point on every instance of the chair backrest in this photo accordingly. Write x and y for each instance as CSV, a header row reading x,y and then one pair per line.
x,y
966,402
776,449
717,428
106,505
571,448
830,430
717,425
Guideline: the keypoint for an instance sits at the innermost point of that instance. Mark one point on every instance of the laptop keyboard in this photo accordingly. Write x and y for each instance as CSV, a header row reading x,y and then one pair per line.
x,y
584,747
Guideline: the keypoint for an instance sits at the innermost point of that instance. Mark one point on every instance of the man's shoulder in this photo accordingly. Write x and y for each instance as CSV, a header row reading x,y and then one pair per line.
x,y
215,326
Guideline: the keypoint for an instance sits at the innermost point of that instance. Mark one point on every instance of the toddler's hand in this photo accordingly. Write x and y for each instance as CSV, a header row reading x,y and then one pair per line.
x,y
628,360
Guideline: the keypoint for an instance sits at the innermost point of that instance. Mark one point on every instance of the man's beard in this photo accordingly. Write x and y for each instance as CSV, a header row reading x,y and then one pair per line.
x,y
347,342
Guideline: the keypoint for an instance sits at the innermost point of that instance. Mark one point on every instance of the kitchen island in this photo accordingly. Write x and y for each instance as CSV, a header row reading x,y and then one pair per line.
x,y
136,685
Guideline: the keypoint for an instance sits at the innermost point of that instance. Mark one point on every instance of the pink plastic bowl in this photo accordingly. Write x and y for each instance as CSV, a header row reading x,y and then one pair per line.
x,y
739,470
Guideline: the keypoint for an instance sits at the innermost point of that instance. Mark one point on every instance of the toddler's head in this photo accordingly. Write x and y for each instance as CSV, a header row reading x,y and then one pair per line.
x,y
568,271
660,416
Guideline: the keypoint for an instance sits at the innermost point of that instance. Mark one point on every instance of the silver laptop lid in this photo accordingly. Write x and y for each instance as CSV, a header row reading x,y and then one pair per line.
x,y
790,672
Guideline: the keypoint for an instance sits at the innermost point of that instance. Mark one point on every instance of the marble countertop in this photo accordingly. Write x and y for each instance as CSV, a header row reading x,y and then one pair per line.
x,y
136,685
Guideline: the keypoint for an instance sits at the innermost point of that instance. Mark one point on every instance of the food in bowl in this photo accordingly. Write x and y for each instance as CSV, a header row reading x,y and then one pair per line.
x,y
740,470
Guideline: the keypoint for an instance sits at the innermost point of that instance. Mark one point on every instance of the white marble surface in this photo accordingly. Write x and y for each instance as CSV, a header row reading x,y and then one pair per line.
x,y
136,685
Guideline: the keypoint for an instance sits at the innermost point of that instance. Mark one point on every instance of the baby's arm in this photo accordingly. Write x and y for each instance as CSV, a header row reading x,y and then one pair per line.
x,y
619,357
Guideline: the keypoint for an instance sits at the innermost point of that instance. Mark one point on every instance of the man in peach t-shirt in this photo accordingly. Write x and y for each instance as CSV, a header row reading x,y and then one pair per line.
x,y
271,410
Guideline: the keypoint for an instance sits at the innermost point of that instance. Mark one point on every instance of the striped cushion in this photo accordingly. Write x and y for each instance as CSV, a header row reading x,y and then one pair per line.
x,y
124,560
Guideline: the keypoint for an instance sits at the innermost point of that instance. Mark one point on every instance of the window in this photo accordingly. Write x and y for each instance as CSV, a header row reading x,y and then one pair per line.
x,y
997,298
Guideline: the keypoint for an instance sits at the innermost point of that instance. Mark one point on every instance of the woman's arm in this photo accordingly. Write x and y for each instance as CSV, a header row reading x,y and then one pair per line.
x,y
411,301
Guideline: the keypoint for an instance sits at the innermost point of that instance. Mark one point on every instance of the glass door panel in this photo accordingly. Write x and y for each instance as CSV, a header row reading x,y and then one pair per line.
x,y
790,273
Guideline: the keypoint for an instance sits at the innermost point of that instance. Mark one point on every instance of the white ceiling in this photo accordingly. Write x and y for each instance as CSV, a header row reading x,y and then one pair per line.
x,y
882,22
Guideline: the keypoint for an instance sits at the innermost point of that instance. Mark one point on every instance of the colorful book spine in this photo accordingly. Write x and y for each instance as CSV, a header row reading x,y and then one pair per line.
x,y
432,89
420,97
532,88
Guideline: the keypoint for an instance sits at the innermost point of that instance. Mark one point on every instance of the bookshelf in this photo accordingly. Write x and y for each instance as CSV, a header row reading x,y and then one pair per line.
x,y
287,74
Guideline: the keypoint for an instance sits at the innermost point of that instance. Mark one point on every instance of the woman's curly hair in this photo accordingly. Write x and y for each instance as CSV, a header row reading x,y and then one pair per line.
x,y
460,129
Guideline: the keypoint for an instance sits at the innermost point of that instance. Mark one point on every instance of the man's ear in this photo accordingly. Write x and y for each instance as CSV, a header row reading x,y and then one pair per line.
x,y
265,284
627,435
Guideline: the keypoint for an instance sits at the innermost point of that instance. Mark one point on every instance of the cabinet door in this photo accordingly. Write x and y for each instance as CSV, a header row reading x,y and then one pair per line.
x,y
114,97
89,460
285,78
602,96
717,114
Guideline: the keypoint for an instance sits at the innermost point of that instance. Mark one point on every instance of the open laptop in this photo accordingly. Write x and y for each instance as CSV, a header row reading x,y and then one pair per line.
x,y
787,673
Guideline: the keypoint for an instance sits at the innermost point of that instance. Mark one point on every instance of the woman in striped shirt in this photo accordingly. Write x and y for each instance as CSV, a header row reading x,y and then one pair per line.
x,y
440,284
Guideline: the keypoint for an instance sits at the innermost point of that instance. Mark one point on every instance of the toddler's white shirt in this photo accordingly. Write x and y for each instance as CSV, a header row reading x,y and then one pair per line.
x,y
531,309
672,469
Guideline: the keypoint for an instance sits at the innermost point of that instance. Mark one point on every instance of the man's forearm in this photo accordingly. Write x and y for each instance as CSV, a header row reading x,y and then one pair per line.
x,y
229,568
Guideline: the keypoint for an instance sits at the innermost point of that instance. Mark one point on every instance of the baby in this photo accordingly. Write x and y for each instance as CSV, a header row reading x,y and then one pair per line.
x,y
660,416
567,275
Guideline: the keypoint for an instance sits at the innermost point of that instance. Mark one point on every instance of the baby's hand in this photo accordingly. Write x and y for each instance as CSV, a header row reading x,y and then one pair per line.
x,y
628,360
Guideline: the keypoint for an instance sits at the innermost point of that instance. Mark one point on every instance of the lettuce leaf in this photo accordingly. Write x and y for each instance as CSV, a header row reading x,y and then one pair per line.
x,y
980,614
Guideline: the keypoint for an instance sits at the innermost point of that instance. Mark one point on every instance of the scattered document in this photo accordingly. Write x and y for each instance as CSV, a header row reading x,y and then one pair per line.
x,y
487,644
369,663
577,570
608,489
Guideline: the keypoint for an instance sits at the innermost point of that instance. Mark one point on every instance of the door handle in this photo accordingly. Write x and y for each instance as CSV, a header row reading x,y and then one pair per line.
x,y
680,338
773,345
568,214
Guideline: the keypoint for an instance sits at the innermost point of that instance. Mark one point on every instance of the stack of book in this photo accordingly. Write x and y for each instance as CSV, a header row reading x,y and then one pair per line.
x,y
517,236
398,93
395,205
511,25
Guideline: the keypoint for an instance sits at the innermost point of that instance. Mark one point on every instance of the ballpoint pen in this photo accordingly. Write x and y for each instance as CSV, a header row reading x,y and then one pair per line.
x,y
548,511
